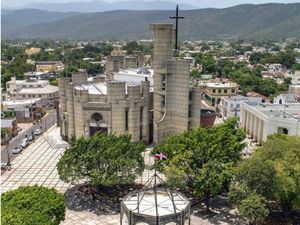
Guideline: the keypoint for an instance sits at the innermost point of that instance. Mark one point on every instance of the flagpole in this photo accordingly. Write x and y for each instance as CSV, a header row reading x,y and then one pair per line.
x,y
155,191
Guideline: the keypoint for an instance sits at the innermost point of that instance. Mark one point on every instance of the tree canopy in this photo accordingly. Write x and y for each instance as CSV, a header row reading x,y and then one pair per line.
x,y
207,61
272,173
32,205
202,159
103,159
286,58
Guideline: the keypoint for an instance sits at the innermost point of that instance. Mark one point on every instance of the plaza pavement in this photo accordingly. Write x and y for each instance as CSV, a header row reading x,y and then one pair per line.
x,y
37,165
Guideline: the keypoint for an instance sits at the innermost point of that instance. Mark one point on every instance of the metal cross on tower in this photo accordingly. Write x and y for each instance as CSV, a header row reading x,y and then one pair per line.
x,y
176,19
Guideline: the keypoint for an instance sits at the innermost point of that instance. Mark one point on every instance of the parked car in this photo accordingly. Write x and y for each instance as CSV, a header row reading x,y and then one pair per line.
x,y
5,166
24,143
31,137
17,149
37,132
19,128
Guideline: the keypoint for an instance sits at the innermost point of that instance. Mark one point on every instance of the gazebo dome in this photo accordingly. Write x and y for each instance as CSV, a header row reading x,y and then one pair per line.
x,y
155,205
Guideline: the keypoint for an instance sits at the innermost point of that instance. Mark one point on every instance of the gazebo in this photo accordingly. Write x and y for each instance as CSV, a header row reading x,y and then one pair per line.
x,y
155,204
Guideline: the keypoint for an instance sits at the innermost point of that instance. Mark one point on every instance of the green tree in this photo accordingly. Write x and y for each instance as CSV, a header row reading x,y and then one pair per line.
x,y
32,205
254,209
273,173
132,46
224,67
296,66
195,74
207,61
202,159
103,159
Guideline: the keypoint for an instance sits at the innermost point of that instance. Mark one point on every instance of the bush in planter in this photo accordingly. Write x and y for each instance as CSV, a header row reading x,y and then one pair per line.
x,y
32,205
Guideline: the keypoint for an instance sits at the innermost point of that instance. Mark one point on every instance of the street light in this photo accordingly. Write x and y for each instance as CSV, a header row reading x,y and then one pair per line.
x,y
284,106
53,117
8,158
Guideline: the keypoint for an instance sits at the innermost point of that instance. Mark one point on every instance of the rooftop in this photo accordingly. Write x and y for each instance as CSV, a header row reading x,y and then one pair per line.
x,y
29,81
221,85
148,206
49,89
7,123
241,97
20,102
134,76
94,88
288,111
46,62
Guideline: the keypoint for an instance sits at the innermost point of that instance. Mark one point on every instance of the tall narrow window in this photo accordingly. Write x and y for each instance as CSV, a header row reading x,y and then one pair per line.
x,y
141,123
126,119
190,95
163,82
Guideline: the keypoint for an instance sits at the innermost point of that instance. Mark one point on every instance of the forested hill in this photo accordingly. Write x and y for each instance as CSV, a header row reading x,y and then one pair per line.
x,y
265,21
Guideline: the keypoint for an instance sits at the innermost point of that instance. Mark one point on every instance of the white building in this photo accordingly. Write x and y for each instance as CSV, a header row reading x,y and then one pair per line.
x,y
286,98
230,105
25,109
262,120
31,89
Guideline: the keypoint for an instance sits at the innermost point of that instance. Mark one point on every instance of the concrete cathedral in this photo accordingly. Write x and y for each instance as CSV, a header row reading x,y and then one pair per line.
x,y
147,104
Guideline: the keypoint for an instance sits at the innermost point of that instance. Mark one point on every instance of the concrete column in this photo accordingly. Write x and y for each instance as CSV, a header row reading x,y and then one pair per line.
x,y
256,128
196,107
247,122
116,96
134,113
145,110
251,125
70,110
259,132
163,50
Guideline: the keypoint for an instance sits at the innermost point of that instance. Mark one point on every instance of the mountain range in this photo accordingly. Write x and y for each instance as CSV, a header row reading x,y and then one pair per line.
x,y
264,21
101,6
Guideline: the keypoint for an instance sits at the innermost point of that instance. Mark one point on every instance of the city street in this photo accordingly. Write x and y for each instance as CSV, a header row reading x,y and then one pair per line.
x,y
47,121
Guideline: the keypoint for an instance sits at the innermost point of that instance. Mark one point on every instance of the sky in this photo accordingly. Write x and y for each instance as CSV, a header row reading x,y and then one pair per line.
x,y
197,3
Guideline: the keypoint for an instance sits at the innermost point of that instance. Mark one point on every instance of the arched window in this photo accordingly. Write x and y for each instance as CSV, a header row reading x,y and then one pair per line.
x,y
97,117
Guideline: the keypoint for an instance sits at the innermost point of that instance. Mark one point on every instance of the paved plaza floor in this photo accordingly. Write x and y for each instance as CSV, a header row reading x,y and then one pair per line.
x,y
37,165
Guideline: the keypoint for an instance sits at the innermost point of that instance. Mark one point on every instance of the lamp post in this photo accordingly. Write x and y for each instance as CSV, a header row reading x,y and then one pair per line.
x,y
284,106
53,117
8,157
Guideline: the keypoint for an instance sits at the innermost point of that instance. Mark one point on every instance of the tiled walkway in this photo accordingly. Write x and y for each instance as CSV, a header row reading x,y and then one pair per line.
x,y
37,165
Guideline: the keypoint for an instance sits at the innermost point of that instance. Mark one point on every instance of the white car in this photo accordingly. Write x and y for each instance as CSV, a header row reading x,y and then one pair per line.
x,y
5,166
24,143
17,149
37,132
31,138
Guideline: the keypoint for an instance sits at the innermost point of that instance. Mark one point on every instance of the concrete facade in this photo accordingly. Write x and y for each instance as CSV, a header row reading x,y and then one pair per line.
x,y
147,109
100,105
231,106
26,110
214,90
262,120
176,106
118,60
